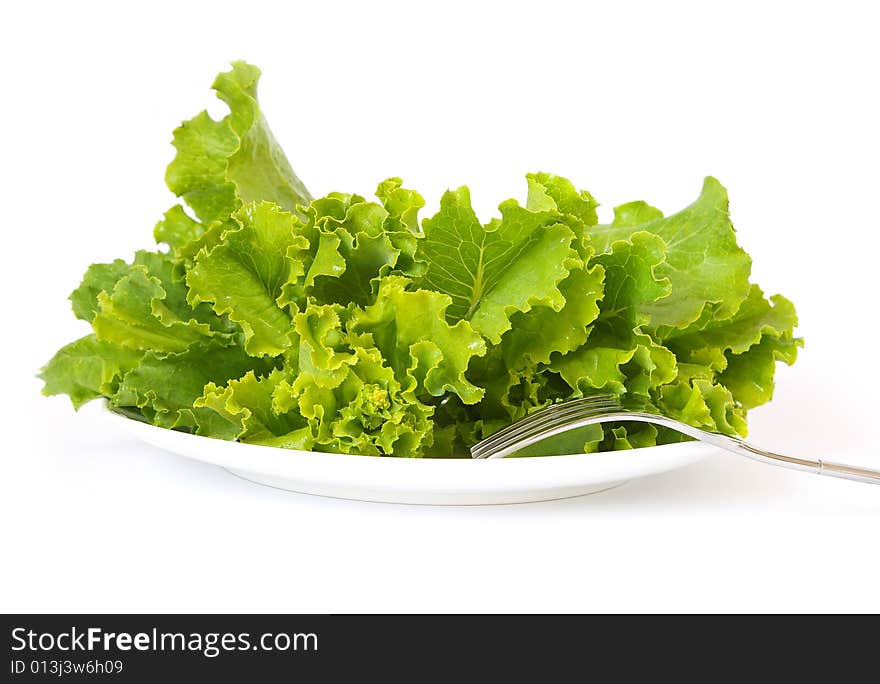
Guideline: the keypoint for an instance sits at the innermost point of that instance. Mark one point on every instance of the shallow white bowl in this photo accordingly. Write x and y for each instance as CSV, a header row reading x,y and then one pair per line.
x,y
421,480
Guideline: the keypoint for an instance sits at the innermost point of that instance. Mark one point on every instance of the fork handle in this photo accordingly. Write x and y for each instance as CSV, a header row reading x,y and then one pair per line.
x,y
817,466
738,446
848,472
734,444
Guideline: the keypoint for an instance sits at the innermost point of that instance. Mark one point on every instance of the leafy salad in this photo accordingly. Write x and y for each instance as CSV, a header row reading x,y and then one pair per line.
x,y
345,324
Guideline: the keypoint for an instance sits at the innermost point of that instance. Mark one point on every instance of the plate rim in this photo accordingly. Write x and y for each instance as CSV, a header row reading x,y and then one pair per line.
x,y
433,481
167,434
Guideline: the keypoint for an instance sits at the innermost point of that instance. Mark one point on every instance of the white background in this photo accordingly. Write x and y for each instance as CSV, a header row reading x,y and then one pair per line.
x,y
630,100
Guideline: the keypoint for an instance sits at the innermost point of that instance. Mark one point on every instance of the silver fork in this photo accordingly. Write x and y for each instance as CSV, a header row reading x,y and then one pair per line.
x,y
604,408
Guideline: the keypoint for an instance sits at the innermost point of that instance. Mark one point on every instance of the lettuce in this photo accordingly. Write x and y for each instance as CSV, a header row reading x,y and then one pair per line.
x,y
342,324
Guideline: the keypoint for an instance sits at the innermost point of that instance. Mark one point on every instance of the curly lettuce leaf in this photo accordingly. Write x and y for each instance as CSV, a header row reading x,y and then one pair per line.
x,y
539,334
402,205
324,352
354,401
87,369
244,276
618,356
136,315
695,397
511,392
221,165
97,279
756,319
548,192
165,386
490,271
247,404
750,376
630,436
367,412
402,224
585,440
354,250
410,327
707,270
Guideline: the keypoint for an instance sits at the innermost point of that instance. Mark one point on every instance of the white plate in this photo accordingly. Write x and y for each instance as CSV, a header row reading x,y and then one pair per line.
x,y
421,480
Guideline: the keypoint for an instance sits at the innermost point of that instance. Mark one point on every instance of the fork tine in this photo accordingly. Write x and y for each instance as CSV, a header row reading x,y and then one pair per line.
x,y
549,413
546,420
543,413
483,450
599,415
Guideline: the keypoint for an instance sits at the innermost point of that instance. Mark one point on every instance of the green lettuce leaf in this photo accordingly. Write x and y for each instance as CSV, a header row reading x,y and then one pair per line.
x,y
135,314
511,392
166,386
97,279
630,436
707,270
585,440
489,272
535,336
354,249
247,404
554,193
750,376
369,412
87,369
324,351
756,319
411,332
221,165
245,275
402,225
695,398
618,356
